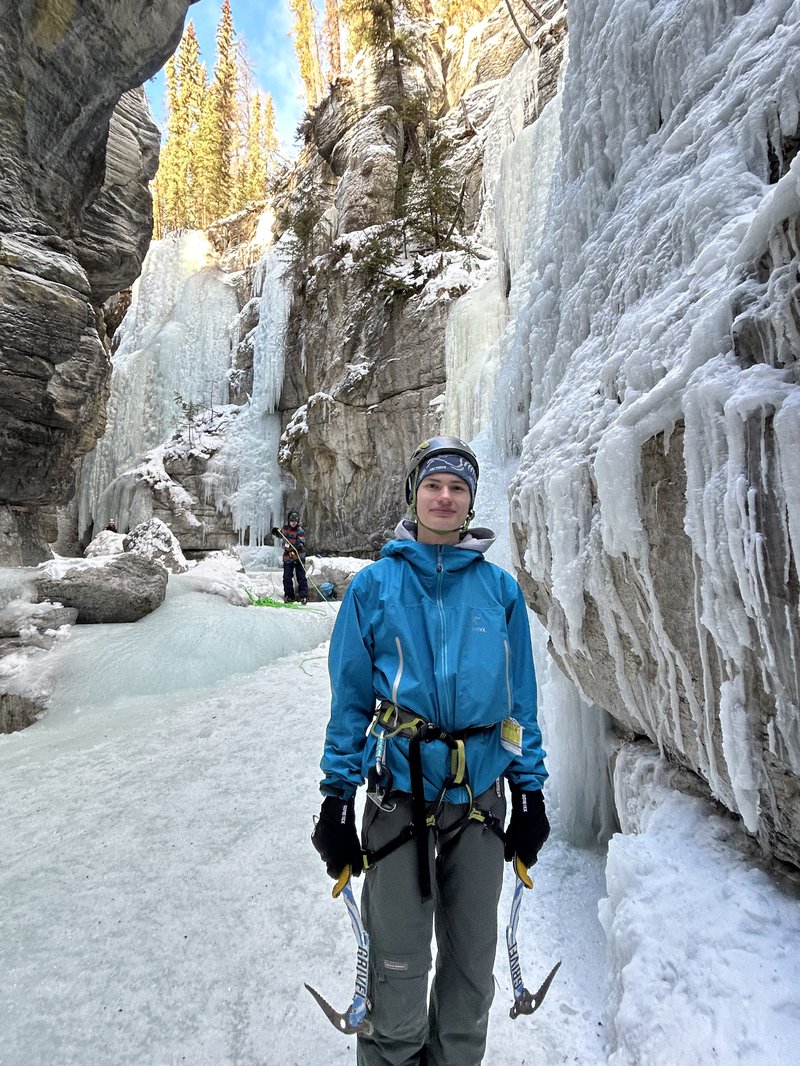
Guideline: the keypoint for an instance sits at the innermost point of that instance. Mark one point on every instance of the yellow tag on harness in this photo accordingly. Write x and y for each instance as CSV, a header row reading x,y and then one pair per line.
x,y
511,735
458,763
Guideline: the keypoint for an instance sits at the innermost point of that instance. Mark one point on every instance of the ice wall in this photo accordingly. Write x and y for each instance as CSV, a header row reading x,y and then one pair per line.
x,y
481,329
656,505
175,350
244,476
175,344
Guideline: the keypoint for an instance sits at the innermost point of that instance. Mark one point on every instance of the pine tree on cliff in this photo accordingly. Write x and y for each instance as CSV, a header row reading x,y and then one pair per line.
x,y
462,13
216,140
306,48
434,208
177,181
260,150
331,38
271,141
373,24
221,144
165,186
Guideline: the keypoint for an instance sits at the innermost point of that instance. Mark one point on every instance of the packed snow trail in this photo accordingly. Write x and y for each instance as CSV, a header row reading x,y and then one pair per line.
x,y
162,902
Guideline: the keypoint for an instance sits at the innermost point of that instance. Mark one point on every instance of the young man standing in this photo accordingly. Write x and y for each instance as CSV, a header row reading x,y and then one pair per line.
x,y
293,538
438,638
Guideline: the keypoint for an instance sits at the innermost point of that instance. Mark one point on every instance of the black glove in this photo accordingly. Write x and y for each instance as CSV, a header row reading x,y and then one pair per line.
x,y
335,837
275,531
528,828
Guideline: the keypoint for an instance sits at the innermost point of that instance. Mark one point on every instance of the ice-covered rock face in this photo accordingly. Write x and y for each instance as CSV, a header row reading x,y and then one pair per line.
x,y
657,508
366,369
75,220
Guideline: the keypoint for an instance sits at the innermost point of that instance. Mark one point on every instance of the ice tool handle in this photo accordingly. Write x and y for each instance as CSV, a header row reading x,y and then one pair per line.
x,y
525,1002
354,1019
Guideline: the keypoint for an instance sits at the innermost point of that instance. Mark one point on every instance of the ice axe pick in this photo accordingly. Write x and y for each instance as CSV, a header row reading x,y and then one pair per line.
x,y
525,1002
354,1019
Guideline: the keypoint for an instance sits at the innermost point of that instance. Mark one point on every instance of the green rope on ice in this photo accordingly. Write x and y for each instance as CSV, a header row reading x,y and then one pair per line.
x,y
269,601
266,601
310,659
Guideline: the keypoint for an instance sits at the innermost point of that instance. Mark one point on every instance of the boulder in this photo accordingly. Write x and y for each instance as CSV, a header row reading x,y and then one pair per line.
x,y
220,573
121,588
107,543
18,711
155,540
339,575
19,616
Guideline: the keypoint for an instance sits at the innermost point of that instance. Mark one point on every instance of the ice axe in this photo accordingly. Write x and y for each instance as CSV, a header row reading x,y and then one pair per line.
x,y
525,1002
354,1019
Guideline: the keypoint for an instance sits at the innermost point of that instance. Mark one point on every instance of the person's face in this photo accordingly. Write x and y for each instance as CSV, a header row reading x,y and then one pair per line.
x,y
293,521
442,508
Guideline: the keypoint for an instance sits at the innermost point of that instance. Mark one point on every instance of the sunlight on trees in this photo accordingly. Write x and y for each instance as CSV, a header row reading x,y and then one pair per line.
x,y
221,148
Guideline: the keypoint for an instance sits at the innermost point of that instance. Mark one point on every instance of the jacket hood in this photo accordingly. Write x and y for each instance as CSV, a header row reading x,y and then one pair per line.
x,y
477,539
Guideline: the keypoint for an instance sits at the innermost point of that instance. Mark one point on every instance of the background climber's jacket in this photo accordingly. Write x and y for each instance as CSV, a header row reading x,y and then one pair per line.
x,y
297,537
440,631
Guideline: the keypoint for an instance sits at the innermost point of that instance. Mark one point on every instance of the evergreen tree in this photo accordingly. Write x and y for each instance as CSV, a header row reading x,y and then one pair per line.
x,y
374,24
271,142
176,182
216,133
307,48
165,185
255,161
221,146
189,108
434,207
462,13
331,38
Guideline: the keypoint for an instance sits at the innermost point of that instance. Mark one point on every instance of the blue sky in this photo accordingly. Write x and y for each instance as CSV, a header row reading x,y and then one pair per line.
x,y
265,26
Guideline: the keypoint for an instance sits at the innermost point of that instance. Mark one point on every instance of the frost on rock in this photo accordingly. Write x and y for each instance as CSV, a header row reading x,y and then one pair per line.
x,y
221,574
154,540
107,542
654,368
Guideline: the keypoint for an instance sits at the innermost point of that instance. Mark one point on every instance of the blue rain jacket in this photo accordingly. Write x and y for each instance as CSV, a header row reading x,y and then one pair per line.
x,y
440,631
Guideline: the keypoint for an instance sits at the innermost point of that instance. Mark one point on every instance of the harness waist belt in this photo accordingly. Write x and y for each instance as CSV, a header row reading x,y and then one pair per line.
x,y
396,720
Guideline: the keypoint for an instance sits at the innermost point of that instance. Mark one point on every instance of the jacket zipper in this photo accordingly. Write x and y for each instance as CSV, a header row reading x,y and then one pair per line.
x,y
443,619
399,673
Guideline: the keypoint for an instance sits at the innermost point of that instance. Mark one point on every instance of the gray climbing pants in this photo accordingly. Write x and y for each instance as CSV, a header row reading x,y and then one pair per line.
x,y
450,1030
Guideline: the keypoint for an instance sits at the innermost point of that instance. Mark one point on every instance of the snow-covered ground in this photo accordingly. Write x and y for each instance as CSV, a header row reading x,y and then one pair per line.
x,y
162,904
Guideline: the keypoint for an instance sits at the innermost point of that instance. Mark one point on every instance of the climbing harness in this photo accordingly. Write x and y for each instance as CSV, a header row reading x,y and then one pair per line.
x,y
390,721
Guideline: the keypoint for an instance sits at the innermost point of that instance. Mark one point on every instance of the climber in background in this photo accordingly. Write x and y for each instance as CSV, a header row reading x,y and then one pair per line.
x,y
293,539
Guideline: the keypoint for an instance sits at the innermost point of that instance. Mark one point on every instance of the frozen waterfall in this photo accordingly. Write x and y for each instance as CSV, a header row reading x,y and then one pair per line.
x,y
169,394
674,196
244,475
174,348
485,345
